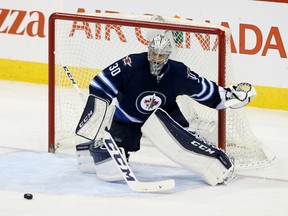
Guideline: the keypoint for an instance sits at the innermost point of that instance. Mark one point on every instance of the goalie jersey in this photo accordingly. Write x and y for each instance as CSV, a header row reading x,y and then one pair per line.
x,y
139,93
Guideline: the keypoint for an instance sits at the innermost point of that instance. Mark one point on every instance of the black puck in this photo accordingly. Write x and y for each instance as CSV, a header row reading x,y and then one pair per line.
x,y
28,196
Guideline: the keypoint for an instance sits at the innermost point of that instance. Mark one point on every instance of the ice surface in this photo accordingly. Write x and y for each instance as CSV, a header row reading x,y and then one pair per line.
x,y
60,189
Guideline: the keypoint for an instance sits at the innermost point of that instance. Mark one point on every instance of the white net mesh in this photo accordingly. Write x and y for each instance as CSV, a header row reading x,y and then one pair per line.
x,y
87,46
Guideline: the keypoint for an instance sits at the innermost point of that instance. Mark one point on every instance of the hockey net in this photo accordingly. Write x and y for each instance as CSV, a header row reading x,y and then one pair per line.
x,y
87,43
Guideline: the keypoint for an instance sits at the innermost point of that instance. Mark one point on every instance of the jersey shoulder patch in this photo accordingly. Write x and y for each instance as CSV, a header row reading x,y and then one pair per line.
x,y
192,75
135,60
127,61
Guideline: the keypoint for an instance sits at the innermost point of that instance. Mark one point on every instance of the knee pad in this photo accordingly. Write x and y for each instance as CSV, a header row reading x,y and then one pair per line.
x,y
99,153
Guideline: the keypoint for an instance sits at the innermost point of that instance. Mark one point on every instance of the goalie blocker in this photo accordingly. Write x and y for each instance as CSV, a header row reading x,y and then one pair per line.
x,y
187,149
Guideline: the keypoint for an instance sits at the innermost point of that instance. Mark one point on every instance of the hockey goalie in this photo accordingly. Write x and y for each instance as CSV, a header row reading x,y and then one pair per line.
x,y
145,86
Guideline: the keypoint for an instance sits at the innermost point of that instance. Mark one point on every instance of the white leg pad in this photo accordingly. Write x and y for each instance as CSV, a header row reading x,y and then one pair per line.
x,y
108,171
104,165
182,147
84,159
97,161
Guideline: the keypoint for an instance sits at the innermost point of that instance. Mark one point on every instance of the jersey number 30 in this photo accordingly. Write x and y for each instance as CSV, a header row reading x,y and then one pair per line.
x,y
114,69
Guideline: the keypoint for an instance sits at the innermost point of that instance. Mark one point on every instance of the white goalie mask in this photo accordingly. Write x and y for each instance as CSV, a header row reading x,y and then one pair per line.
x,y
159,50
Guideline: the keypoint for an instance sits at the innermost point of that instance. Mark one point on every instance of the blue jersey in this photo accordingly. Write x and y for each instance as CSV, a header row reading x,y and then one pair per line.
x,y
139,93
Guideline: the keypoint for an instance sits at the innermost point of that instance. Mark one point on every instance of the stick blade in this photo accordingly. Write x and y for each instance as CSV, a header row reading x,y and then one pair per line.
x,y
152,186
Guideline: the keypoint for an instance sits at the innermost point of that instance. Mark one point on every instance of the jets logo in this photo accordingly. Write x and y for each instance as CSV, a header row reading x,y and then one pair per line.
x,y
191,74
147,102
127,61
151,102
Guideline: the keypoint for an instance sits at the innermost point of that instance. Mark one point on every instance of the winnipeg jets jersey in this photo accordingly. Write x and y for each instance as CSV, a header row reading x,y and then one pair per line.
x,y
139,93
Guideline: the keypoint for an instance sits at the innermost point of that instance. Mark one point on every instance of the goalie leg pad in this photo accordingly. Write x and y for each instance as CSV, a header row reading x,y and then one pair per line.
x,y
105,167
93,158
84,159
185,149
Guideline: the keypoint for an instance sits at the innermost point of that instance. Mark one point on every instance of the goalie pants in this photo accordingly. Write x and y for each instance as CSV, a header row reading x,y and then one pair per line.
x,y
128,134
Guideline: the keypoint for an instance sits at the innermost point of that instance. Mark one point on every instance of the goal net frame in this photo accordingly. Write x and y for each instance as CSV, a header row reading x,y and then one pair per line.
x,y
129,20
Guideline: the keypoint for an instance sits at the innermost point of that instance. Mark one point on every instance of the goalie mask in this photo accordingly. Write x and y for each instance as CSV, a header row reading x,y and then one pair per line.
x,y
159,50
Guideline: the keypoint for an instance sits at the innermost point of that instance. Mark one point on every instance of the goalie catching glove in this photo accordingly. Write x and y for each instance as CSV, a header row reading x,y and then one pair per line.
x,y
236,96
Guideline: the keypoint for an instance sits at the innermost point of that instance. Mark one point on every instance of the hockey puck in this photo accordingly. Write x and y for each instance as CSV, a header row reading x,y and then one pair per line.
x,y
28,196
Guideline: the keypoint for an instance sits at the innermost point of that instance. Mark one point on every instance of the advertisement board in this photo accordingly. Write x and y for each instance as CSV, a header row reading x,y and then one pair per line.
x,y
259,33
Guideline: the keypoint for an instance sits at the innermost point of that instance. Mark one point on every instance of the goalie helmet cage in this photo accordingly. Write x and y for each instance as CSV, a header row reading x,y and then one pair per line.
x,y
87,43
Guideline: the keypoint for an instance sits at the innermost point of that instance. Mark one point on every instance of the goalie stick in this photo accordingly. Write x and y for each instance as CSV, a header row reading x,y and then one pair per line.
x,y
72,80
128,174
126,171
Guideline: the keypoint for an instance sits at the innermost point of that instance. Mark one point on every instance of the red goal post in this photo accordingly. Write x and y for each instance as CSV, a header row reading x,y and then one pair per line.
x,y
86,43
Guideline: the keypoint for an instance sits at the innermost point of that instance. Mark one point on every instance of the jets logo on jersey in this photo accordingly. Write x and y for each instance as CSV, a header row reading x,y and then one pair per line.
x,y
191,74
151,102
127,61
147,102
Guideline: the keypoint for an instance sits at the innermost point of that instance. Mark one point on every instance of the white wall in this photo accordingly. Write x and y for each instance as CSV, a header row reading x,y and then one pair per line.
x,y
22,38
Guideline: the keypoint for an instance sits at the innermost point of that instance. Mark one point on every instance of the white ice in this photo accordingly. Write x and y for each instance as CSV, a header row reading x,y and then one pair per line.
x,y
60,189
